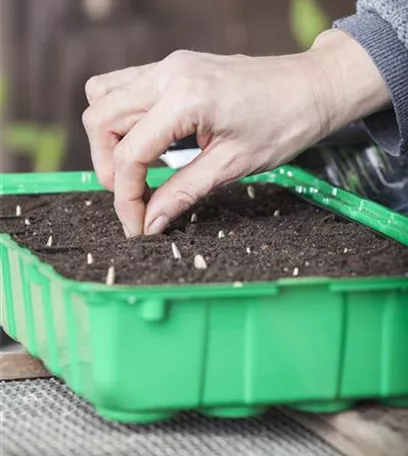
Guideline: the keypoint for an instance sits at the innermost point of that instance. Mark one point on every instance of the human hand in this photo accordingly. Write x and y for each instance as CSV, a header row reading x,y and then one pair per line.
x,y
250,114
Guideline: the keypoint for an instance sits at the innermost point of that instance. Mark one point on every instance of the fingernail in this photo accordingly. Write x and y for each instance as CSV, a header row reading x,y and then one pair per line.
x,y
158,225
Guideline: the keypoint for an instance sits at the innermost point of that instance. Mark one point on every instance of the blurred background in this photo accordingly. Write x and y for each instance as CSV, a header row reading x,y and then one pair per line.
x,y
51,47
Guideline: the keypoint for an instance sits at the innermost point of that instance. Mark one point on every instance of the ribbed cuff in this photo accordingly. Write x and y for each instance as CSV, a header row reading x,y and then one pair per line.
x,y
389,128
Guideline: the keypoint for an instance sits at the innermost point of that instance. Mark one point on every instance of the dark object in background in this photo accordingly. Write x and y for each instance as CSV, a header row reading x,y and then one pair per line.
x,y
371,173
350,160
4,339
189,142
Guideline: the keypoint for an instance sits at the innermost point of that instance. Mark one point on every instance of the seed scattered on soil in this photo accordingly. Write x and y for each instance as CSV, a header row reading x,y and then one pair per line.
x,y
89,258
221,234
295,272
276,213
176,251
264,246
285,269
251,191
49,242
248,250
18,210
27,222
237,284
193,218
227,209
199,262
88,202
345,250
231,233
307,263
110,276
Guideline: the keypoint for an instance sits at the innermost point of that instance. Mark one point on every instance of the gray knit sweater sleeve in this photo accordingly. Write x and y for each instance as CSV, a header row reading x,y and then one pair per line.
x,y
381,27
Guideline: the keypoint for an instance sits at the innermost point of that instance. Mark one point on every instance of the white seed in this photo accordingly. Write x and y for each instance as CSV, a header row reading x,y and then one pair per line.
x,y
66,209
345,250
110,276
18,211
221,234
89,258
49,242
193,218
231,233
88,202
264,246
251,191
276,213
285,269
199,262
27,222
237,284
248,250
176,251
295,272
307,263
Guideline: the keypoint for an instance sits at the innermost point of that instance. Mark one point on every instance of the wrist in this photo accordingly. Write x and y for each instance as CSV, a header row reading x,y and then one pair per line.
x,y
346,83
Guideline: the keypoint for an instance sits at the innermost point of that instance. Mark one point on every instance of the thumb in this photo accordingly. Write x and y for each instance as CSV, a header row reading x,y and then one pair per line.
x,y
211,169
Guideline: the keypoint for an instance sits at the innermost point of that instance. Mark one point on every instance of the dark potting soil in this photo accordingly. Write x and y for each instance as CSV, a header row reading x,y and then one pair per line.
x,y
259,243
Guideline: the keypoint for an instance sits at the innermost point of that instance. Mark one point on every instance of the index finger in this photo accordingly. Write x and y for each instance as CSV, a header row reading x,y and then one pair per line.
x,y
148,139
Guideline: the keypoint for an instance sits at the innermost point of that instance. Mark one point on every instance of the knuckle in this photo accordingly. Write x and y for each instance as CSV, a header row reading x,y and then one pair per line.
x,y
179,57
105,178
93,119
186,197
241,56
88,118
94,87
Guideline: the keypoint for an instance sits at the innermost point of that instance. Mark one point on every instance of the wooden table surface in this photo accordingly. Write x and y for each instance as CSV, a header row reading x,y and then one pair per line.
x,y
367,430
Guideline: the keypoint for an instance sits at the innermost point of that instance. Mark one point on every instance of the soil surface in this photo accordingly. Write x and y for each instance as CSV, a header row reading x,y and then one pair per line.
x,y
259,243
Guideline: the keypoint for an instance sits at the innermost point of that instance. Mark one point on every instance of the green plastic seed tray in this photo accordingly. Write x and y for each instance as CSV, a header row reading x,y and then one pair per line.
x,y
141,354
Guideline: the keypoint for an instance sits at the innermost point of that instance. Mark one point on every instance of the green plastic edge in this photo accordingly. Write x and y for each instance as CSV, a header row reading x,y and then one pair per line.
x,y
306,185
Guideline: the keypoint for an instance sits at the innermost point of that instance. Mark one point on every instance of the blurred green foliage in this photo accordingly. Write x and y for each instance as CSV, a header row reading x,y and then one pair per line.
x,y
45,145
307,19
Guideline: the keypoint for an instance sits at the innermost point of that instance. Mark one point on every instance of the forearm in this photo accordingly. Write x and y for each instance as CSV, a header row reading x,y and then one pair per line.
x,y
345,79
381,28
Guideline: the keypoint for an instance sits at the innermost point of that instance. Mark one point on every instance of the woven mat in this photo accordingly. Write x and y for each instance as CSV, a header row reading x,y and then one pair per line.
x,y
43,417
